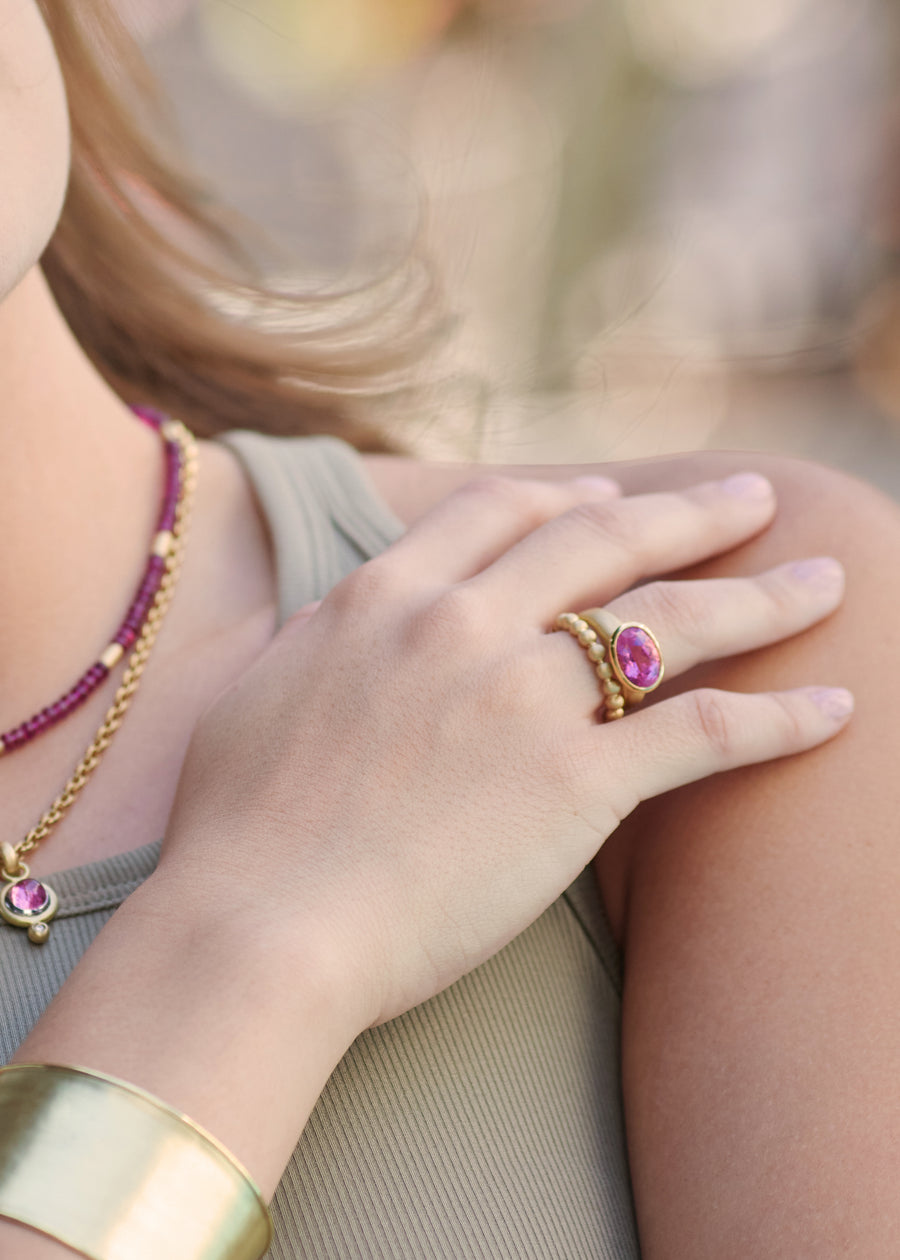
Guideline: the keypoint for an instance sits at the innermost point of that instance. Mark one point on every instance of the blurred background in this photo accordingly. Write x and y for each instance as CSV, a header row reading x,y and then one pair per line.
x,y
657,224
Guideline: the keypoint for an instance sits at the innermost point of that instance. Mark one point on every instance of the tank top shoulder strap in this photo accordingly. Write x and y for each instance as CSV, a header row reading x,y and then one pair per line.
x,y
324,514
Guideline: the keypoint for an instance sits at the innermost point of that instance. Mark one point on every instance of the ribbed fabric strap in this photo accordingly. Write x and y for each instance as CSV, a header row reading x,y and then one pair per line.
x,y
324,515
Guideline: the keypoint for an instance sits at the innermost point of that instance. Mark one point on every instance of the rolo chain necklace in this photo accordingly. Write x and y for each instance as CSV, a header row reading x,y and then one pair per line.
x,y
31,903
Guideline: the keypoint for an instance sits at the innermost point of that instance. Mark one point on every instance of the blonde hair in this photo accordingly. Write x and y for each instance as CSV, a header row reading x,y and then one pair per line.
x,y
156,282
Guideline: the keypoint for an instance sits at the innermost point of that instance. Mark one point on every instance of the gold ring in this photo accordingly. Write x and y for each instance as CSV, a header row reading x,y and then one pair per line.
x,y
625,654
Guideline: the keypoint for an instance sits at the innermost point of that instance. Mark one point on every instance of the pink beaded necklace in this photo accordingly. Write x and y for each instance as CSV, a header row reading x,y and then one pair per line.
x,y
128,632
30,903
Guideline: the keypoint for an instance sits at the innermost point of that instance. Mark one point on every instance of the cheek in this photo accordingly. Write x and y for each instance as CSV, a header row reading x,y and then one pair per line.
x,y
34,139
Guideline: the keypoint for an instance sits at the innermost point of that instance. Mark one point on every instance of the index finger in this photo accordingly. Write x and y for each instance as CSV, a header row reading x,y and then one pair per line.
x,y
595,551
472,526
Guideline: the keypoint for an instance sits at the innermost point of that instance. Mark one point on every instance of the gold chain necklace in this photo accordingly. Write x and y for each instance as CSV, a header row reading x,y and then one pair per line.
x,y
30,903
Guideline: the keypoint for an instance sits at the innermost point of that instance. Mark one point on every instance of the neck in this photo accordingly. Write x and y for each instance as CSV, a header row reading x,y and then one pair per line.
x,y
80,484
81,480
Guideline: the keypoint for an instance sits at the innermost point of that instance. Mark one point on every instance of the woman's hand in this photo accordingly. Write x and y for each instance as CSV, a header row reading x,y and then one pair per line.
x,y
414,772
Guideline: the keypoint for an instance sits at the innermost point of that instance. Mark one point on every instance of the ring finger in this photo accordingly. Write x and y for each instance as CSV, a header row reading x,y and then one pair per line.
x,y
707,620
697,621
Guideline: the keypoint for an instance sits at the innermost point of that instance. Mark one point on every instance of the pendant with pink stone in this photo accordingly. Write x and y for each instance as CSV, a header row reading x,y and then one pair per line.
x,y
28,903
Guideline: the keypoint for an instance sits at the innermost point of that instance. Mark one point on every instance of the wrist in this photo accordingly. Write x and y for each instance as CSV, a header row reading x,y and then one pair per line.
x,y
303,955
225,1017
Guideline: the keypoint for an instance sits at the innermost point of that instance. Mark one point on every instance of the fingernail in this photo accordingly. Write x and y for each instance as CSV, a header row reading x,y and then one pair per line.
x,y
748,485
835,702
823,570
602,485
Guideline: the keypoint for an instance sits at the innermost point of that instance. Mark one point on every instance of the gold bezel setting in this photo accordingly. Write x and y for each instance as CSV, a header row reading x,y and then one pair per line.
x,y
30,919
634,693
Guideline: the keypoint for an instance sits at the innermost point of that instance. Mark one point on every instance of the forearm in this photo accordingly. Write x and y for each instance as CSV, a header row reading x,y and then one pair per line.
x,y
222,1017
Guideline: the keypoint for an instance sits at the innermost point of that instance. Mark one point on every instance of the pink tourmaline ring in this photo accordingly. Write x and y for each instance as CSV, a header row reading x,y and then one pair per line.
x,y
625,654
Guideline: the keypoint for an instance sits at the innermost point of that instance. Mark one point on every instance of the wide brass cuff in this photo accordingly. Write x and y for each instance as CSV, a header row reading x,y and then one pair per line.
x,y
116,1174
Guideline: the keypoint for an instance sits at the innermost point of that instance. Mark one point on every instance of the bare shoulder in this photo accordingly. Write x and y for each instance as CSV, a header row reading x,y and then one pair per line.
x,y
411,486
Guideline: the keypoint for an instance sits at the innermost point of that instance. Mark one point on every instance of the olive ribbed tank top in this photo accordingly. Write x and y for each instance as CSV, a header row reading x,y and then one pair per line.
x,y
485,1124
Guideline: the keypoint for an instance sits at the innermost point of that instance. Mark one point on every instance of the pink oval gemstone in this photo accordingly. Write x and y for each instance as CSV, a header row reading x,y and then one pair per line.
x,y
638,657
29,896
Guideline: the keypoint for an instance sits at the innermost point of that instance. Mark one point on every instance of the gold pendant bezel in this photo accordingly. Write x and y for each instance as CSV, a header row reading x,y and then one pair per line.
x,y
21,919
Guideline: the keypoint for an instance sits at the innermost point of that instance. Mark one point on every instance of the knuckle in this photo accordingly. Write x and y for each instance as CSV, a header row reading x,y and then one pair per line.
x,y
778,596
671,607
457,617
610,522
716,720
377,582
788,722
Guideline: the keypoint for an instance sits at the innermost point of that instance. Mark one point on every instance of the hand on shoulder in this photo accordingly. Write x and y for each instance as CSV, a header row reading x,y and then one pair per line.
x,y
418,767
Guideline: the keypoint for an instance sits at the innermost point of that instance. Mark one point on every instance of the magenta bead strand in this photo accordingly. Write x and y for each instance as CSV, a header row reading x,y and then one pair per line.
x,y
61,708
172,487
150,415
132,625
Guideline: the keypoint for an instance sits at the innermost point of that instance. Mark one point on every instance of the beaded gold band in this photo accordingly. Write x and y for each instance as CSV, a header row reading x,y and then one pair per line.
x,y
116,1174
626,656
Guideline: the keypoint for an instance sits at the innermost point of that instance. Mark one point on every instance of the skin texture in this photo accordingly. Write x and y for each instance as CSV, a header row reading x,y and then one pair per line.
x,y
757,909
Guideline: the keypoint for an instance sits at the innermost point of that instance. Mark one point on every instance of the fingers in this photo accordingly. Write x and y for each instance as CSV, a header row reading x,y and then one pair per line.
x,y
471,527
593,552
704,621
700,733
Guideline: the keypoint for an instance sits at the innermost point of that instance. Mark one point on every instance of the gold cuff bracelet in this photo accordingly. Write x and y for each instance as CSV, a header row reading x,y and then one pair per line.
x,y
111,1171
